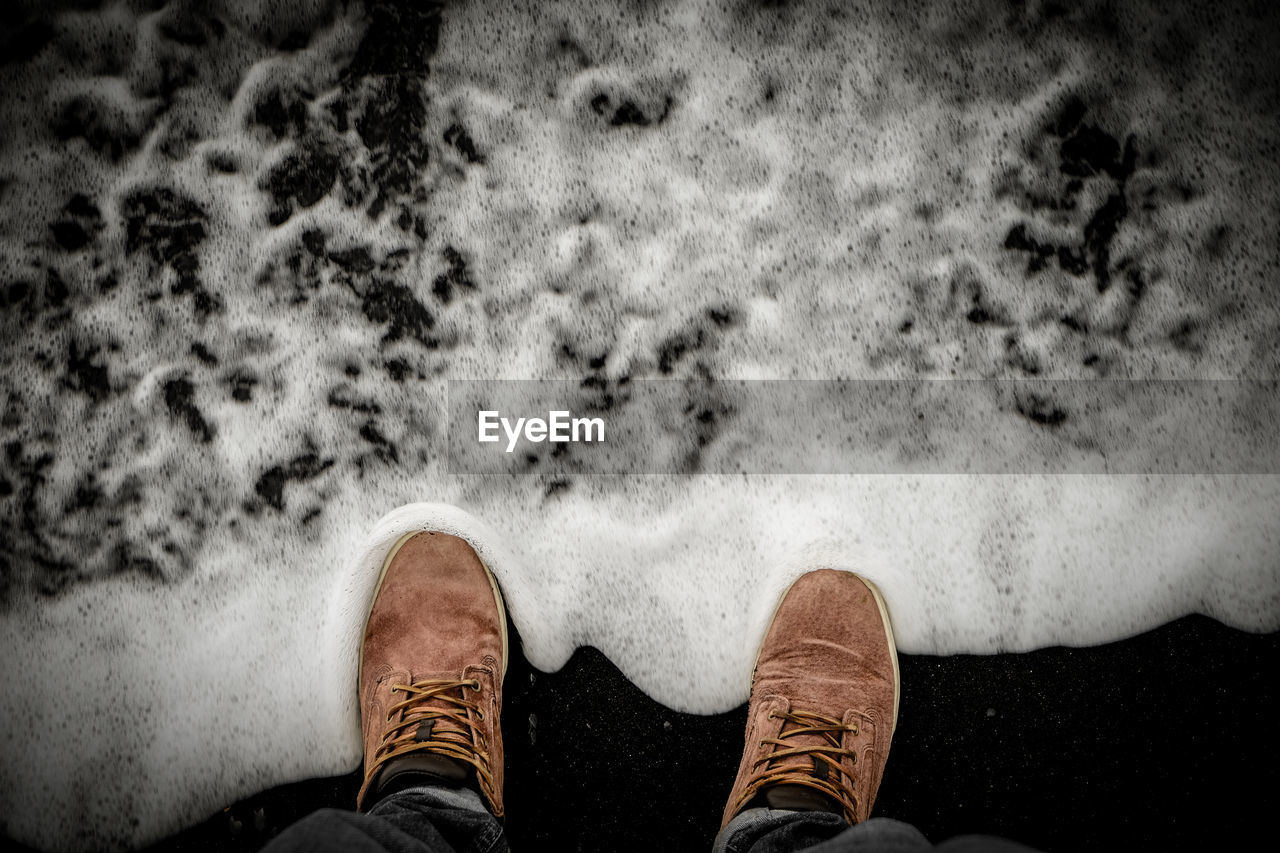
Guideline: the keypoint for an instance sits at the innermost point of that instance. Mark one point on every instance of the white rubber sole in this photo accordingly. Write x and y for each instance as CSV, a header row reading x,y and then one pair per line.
x,y
893,645
382,573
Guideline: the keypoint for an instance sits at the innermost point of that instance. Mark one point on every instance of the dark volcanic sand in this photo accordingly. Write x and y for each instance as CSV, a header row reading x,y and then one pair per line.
x,y
1166,741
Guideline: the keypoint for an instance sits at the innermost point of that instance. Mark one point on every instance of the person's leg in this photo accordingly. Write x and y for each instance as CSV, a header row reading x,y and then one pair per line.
x,y
779,831
430,687
415,820
765,830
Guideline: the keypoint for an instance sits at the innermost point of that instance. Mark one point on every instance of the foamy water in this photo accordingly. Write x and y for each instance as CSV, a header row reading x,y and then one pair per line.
x,y
241,260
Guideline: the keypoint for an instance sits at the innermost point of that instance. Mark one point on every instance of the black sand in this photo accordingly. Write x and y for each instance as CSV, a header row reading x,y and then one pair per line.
x,y
1165,741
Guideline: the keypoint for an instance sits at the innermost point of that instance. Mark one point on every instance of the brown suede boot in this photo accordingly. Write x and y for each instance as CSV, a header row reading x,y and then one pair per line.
x,y
824,701
431,668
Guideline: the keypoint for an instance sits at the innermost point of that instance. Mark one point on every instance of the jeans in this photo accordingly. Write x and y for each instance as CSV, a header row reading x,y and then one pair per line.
x,y
449,820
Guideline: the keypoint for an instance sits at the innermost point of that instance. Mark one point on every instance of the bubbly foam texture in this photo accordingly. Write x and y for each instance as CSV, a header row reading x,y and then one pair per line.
x,y
241,253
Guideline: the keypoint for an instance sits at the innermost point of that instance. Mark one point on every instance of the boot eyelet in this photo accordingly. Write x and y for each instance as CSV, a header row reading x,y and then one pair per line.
x,y
475,684
771,715
479,714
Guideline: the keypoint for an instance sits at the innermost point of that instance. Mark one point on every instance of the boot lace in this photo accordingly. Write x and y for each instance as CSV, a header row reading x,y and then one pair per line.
x,y
433,718
784,764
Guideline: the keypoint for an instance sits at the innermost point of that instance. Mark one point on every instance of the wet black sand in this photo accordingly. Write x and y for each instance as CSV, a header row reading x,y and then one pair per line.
x,y
1165,741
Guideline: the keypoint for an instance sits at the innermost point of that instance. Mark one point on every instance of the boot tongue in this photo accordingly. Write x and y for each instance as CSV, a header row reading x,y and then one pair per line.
x,y
443,728
439,729
447,769
800,798
807,764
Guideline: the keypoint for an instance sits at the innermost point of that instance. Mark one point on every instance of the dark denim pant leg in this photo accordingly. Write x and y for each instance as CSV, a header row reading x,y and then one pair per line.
x,y
415,820
781,831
